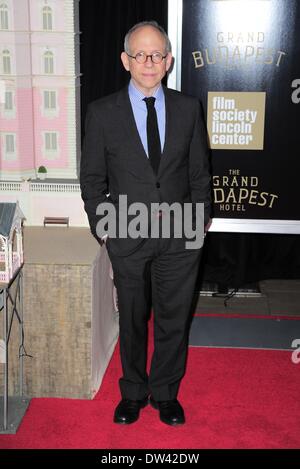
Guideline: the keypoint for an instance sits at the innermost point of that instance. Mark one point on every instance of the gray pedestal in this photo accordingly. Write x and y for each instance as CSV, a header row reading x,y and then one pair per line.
x,y
17,407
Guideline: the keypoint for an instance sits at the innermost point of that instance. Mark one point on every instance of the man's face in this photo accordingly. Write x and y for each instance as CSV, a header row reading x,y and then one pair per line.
x,y
146,77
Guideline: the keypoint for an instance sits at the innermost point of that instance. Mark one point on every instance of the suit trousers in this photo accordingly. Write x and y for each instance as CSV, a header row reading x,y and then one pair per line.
x,y
164,271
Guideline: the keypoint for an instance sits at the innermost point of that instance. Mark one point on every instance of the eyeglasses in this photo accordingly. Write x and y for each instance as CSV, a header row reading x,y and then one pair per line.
x,y
142,58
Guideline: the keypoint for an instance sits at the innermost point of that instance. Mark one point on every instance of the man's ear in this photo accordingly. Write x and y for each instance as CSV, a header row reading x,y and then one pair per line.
x,y
125,61
169,60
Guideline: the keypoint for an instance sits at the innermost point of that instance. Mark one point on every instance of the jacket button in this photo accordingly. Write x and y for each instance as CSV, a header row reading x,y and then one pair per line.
x,y
158,185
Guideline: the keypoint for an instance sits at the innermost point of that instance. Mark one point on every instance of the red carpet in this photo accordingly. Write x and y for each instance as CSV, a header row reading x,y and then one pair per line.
x,y
232,398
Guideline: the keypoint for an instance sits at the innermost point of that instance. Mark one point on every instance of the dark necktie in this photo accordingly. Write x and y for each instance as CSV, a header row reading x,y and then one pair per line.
x,y
154,148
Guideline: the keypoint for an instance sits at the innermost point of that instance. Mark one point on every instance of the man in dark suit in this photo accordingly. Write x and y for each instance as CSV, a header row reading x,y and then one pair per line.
x,y
120,157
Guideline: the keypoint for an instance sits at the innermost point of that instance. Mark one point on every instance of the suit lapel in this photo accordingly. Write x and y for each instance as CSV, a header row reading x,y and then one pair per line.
x,y
168,132
128,121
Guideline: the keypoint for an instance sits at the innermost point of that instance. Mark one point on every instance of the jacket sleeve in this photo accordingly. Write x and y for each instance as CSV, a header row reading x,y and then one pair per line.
x,y
93,171
200,180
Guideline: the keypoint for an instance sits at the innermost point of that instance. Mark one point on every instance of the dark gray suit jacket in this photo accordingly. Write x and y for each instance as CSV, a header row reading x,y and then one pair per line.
x,y
114,161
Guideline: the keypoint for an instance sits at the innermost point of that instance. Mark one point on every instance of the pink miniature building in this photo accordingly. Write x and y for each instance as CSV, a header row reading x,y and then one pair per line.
x,y
39,88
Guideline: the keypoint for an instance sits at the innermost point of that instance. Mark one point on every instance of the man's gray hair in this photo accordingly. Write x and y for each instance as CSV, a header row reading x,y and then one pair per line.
x,y
154,24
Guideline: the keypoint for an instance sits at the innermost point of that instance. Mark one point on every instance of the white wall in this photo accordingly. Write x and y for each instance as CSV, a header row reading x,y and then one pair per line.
x,y
39,200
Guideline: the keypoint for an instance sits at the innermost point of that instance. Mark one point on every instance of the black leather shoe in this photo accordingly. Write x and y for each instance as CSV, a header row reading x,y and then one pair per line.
x,y
170,412
128,410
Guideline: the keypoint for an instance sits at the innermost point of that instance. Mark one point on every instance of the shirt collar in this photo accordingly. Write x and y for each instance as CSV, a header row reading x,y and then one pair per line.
x,y
137,96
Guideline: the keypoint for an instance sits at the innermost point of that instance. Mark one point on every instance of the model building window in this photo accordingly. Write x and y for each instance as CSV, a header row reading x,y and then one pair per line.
x,y
48,62
47,18
6,62
51,142
3,16
8,103
50,100
9,141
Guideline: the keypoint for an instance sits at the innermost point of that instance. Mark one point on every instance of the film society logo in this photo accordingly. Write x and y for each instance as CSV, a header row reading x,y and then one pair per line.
x,y
238,49
236,193
235,120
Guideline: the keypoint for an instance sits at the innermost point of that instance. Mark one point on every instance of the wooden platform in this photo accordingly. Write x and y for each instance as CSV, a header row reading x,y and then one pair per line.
x,y
71,327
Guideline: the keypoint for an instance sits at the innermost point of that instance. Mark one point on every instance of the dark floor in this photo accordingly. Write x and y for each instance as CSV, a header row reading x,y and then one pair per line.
x,y
275,297
264,317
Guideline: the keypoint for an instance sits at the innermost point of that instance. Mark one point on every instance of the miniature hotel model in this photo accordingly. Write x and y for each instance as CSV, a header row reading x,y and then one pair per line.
x,y
70,318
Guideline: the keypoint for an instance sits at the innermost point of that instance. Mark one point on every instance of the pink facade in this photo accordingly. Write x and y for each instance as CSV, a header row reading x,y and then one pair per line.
x,y
55,124
38,89
22,126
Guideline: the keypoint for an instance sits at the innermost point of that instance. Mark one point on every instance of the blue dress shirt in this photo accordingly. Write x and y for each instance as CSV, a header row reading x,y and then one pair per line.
x,y
140,113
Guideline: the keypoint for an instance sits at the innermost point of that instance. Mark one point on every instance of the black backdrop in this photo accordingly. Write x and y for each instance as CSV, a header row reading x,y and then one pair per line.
x,y
103,24
225,67
229,260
